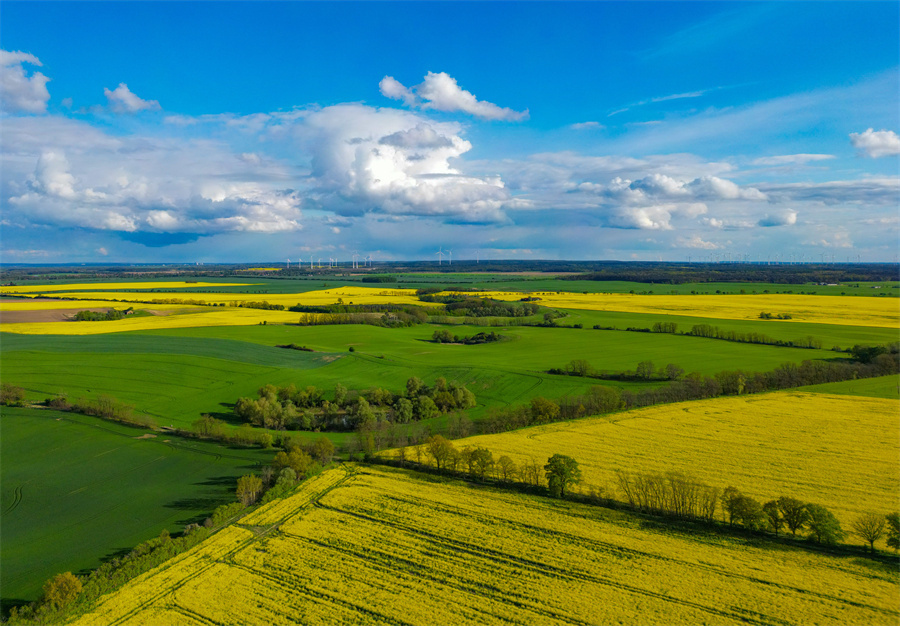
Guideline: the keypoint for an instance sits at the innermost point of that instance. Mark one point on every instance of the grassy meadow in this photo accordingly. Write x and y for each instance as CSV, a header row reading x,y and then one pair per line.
x,y
362,545
77,489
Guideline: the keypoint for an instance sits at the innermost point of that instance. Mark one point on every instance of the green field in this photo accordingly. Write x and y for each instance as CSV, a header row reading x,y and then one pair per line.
x,y
174,376
77,489
880,387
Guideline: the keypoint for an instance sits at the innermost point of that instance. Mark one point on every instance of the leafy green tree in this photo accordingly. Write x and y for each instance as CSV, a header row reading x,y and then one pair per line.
x,y
506,468
403,411
750,513
674,372
645,370
365,416
441,450
11,395
773,516
249,489
543,410
340,394
414,386
730,504
322,450
426,409
794,512
869,527
823,525
482,461
61,590
893,530
562,472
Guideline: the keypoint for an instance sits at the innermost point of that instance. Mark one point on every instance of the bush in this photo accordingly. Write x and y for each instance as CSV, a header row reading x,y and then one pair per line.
x,y
10,395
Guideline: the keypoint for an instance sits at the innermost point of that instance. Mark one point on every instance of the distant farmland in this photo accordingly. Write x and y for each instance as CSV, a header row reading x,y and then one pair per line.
x,y
381,546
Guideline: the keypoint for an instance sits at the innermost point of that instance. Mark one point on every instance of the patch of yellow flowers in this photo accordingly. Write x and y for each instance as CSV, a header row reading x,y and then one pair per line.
x,y
380,546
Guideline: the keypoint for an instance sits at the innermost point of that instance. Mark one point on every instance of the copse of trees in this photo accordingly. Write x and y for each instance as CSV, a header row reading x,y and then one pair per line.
x,y
469,306
291,408
11,395
95,316
444,336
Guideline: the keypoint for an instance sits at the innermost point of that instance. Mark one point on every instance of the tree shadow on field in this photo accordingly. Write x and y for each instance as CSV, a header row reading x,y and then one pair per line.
x,y
219,481
195,504
8,604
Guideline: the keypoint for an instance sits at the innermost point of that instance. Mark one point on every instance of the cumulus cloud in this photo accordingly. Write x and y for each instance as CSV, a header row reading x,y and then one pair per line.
x,y
653,217
696,242
398,163
792,159
87,179
787,217
18,91
440,92
876,144
122,100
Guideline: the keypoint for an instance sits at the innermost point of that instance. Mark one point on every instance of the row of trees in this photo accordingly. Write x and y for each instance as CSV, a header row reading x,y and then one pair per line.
x,y
714,332
308,409
445,336
560,472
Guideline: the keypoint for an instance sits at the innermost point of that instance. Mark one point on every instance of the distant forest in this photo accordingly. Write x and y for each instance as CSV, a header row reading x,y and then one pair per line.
x,y
641,272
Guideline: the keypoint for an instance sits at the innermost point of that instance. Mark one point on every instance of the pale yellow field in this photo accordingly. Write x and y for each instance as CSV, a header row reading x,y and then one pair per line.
x,y
52,305
842,310
172,284
189,316
380,547
838,451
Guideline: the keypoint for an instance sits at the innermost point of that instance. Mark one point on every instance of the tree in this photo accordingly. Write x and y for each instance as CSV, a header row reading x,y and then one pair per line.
x,y
413,386
426,409
869,527
730,504
506,468
773,516
793,511
440,450
823,525
562,471
11,395
482,462
750,513
543,410
645,370
403,411
323,450
248,489
61,590
340,394
893,530
674,372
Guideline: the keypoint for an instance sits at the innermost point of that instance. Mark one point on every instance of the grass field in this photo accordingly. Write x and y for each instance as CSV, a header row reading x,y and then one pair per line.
x,y
177,375
880,387
835,450
76,489
380,546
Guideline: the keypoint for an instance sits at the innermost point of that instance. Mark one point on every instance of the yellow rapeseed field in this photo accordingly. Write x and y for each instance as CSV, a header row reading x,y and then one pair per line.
x,y
189,316
842,310
379,546
112,286
837,451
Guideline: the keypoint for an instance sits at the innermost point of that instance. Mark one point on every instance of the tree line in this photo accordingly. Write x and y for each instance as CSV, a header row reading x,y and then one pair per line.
x,y
292,408
708,331
111,315
444,336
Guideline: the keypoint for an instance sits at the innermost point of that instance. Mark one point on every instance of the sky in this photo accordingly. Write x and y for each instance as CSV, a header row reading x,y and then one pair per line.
x,y
210,132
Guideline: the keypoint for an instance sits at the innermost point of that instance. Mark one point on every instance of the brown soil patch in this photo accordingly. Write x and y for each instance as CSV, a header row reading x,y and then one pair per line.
x,y
50,315
146,436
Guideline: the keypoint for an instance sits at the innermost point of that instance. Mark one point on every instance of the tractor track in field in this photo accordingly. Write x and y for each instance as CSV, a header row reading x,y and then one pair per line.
x,y
17,500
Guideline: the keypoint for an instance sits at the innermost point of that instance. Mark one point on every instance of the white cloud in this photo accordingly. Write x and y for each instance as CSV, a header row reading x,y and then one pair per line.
x,y
788,217
396,162
587,126
695,242
876,144
18,91
122,100
440,92
715,187
792,159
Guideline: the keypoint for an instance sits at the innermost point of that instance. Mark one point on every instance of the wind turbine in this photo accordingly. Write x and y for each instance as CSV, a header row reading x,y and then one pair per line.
x,y
368,260
289,264
440,254
356,260
450,255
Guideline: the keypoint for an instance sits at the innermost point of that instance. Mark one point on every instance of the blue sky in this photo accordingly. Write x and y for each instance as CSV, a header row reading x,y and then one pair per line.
x,y
176,131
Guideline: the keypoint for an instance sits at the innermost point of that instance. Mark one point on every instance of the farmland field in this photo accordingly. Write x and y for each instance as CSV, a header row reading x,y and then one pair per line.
x,y
381,546
185,360
836,450
77,489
